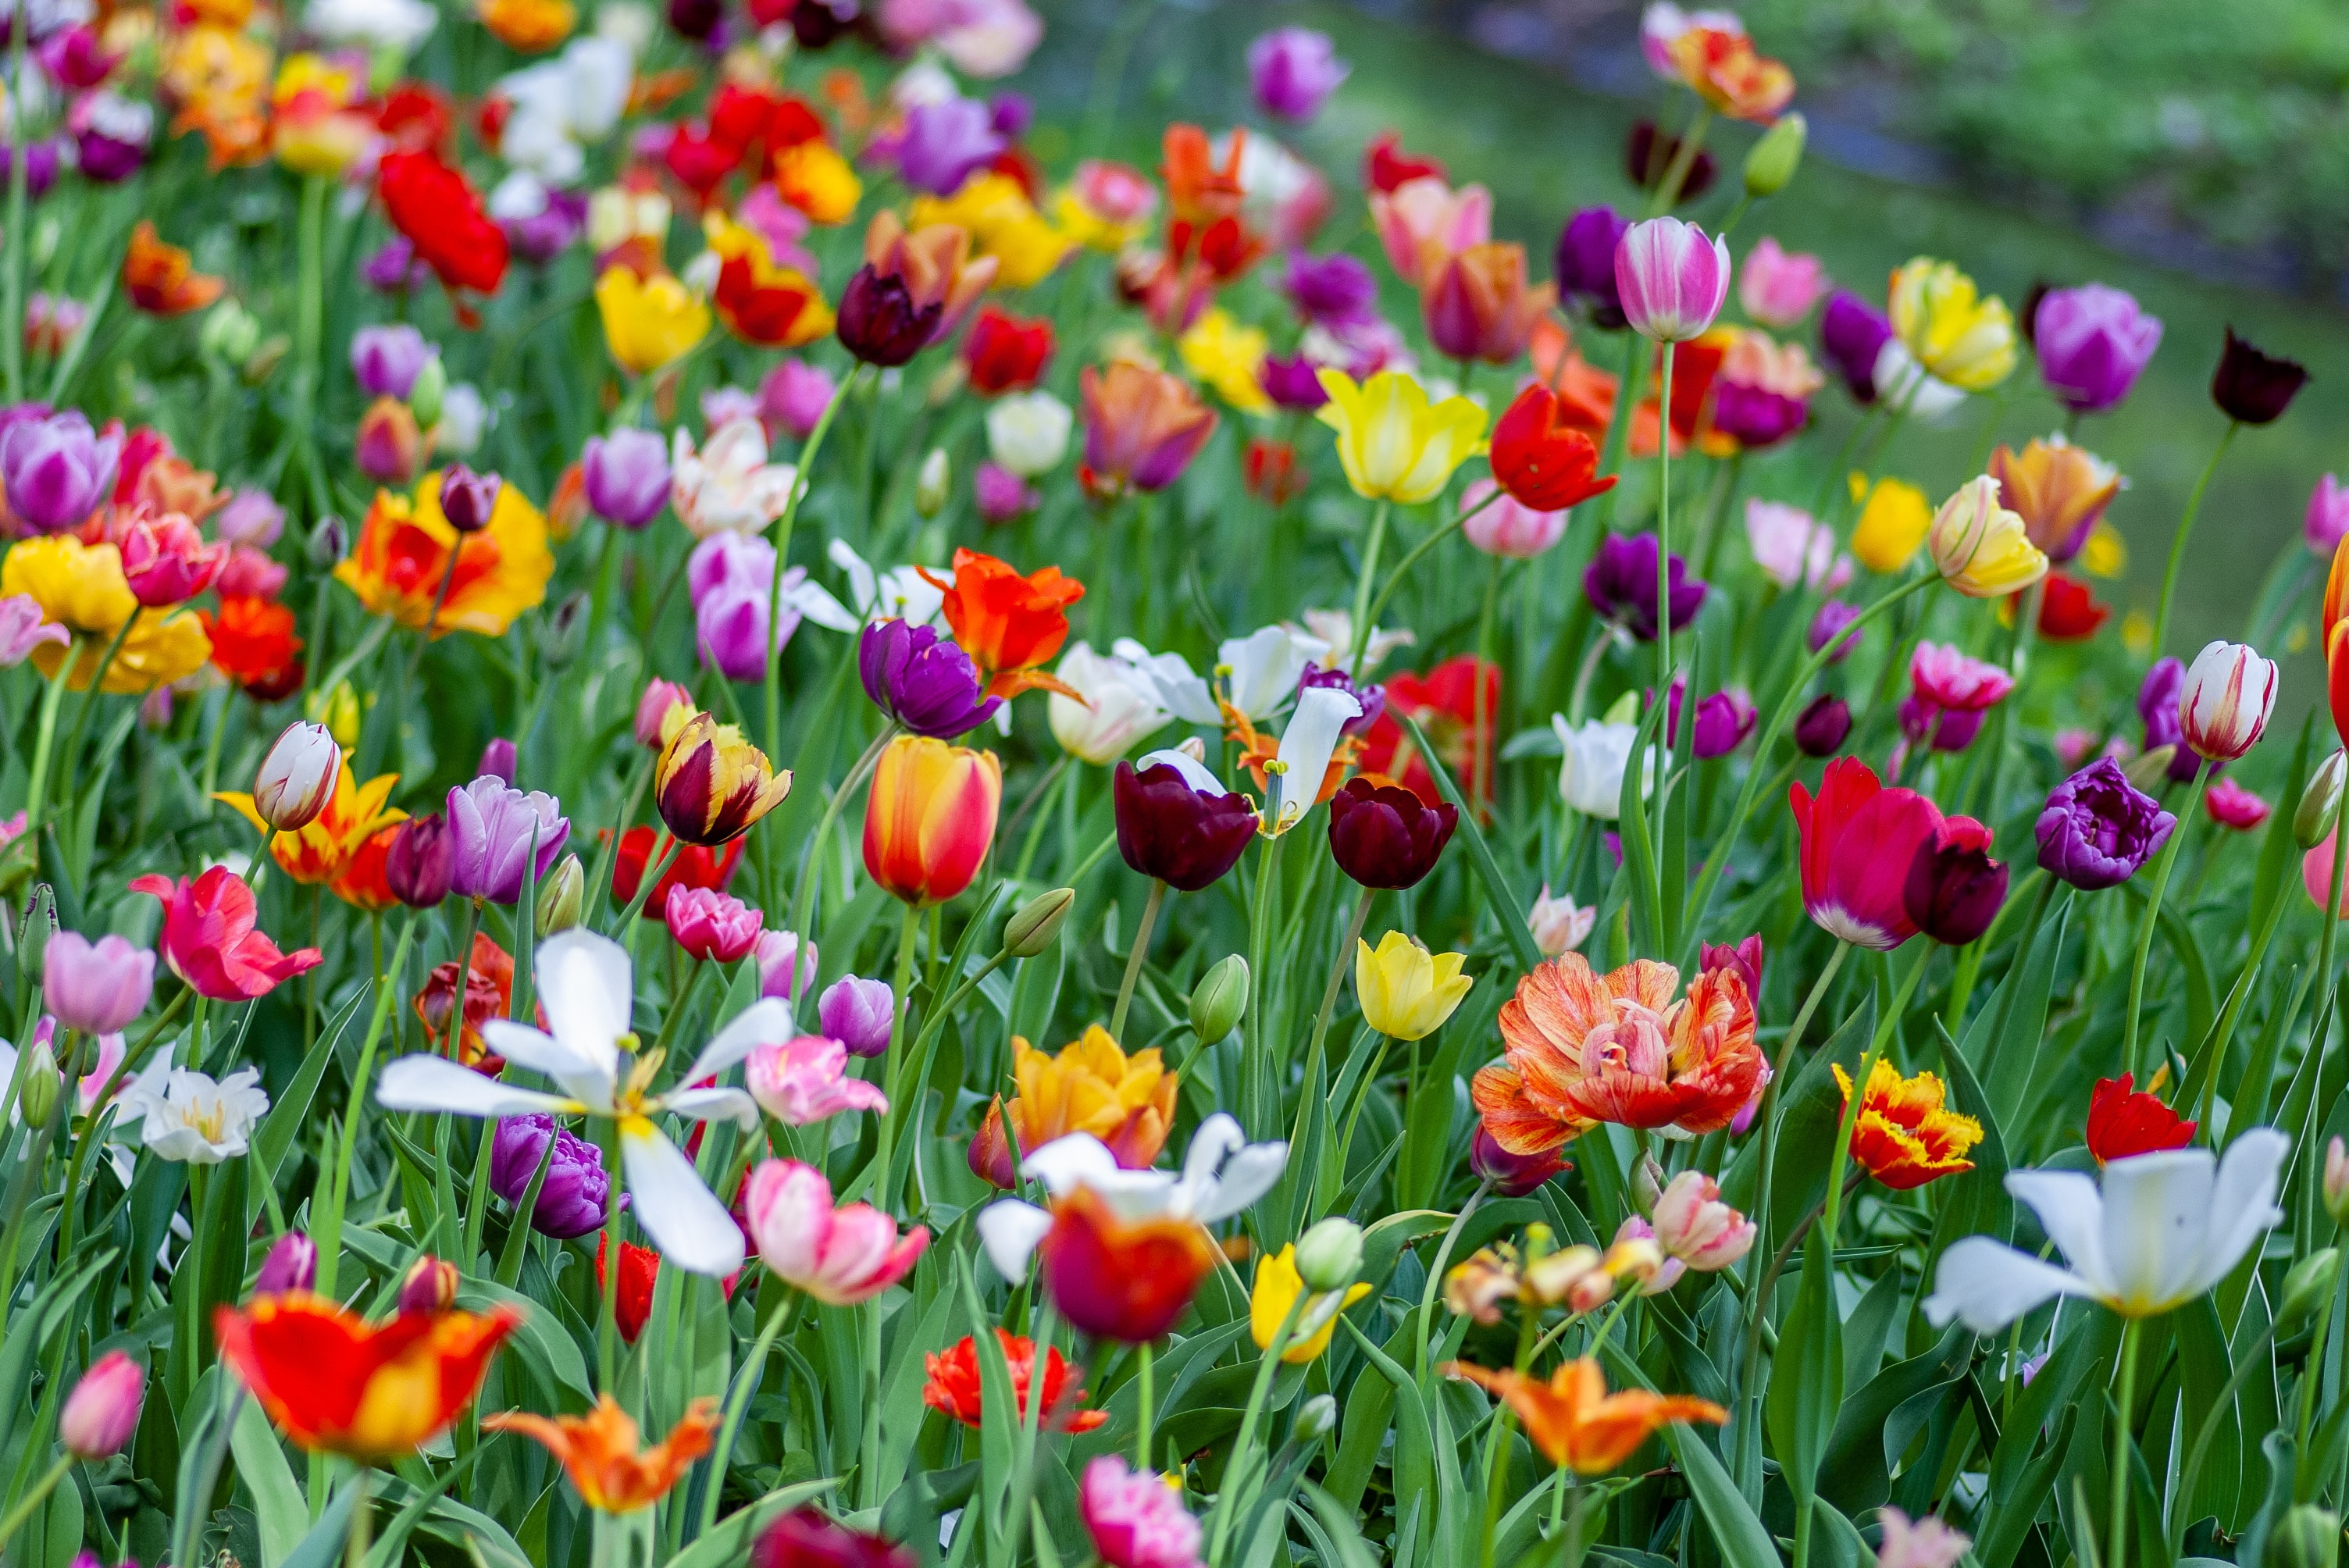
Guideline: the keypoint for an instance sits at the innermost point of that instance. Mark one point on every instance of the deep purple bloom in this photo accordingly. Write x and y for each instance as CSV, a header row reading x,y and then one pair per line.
x,y
56,470
2093,342
292,1265
1511,1175
1828,626
695,19
571,1201
1333,291
418,865
491,827
1755,416
394,269
468,500
1821,728
1373,697
499,759
922,680
2098,828
387,360
1177,823
74,58
879,322
1292,71
1585,263
107,160
1724,720
1292,381
625,475
2251,388
1649,153
1011,114
40,166
1954,889
942,144
1620,583
546,233
1385,836
2156,709
1852,335
1944,728
858,1013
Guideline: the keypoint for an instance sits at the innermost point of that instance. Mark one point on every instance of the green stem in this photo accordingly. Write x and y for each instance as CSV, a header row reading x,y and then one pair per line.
x,y
2153,915
1423,1336
1619,423
1411,558
45,737
2178,558
12,329
1362,585
1267,871
1683,160
1145,1377
608,1322
745,1383
1133,959
329,1236
2123,1444
33,1500
811,867
804,471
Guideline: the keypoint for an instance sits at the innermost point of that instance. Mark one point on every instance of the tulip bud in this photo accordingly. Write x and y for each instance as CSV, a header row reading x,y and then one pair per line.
x,y
430,1286
2314,819
1512,1175
102,1411
2307,1284
1821,728
424,397
37,1094
1316,1419
2307,1536
266,358
2148,770
1647,1183
1219,1000
562,897
2336,1182
565,634
1329,1256
1032,927
337,707
230,332
297,778
328,543
1771,163
292,1265
932,484
468,499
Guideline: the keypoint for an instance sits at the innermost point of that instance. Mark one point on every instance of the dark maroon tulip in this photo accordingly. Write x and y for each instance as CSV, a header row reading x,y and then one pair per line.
x,y
468,499
1820,729
1512,1175
1954,888
1385,836
1648,155
695,19
805,1537
1185,831
1744,961
1620,583
2252,388
879,322
420,862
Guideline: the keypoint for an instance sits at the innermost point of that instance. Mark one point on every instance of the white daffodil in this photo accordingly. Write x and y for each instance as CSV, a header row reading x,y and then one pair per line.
x,y
1257,674
1119,707
1170,685
2165,1227
901,593
1293,777
1590,776
586,985
1221,1174
193,1120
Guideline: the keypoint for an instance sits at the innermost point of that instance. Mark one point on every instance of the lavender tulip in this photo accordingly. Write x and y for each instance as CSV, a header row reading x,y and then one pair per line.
x,y
1585,263
625,475
98,987
56,470
1372,696
794,396
573,1198
1620,583
2098,828
1828,625
394,269
539,237
292,1265
922,680
252,517
780,960
493,828
859,1014
1333,291
942,144
2092,343
498,760
41,165
387,360
1292,71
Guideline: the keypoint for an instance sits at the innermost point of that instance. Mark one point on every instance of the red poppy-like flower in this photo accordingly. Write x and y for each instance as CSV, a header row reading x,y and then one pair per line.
x,y
953,1387
336,1384
1007,623
1543,454
692,866
1006,353
2123,1120
441,214
1858,841
489,994
1445,703
2068,611
253,645
1114,1279
640,1269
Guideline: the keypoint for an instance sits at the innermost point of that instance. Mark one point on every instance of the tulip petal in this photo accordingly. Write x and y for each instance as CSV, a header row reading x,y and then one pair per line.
x,y
716,1105
1305,748
2071,1213
436,1083
2155,1206
765,1022
543,1052
683,1218
2242,1204
1247,1176
1067,1163
1989,1284
1011,1231
585,982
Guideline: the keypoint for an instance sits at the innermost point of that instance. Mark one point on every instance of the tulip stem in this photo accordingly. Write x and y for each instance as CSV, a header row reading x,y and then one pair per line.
x,y
605,853
1839,1162
1618,422
656,867
12,330
1147,1387
1664,564
803,966
1362,607
2178,558
1669,191
71,754
803,473
1267,871
745,1383
1141,950
608,1322
1268,1364
2153,915
1409,559
34,1498
2122,1445
1421,1335
328,1218
45,739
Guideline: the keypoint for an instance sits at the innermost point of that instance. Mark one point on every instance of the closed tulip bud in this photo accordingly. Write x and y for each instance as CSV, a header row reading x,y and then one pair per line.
x,y
328,543
1032,927
566,631
933,484
102,1411
2149,769
1770,163
1316,1419
230,332
562,897
37,1094
468,499
1821,728
430,1286
499,759
1511,1175
2307,1536
1330,1254
2313,819
2336,1182
297,778
1647,1183
421,862
1220,999
292,1265
2307,1285
426,392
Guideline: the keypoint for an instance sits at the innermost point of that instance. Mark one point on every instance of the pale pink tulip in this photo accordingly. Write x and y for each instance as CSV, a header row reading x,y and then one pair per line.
x,y
804,1081
1506,527
839,1257
1694,1225
1673,279
1777,286
1422,221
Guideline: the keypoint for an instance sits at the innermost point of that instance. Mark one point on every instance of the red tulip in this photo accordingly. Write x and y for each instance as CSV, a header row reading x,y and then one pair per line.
x,y
1858,840
442,216
2123,1120
1542,461
1005,353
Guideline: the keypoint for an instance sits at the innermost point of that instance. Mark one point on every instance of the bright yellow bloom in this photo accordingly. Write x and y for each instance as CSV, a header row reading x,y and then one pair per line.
x,y
815,178
220,78
1227,356
532,27
339,710
1393,443
710,785
313,129
81,587
1965,339
1979,548
2106,553
1404,990
402,554
1277,1286
322,850
995,213
648,325
1088,228
1892,523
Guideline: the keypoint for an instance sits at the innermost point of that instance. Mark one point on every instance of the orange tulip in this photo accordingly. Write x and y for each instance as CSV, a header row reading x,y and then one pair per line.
x,y
361,884
2058,490
2336,637
1477,303
1724,69
401,560
1007,623
599,1452
930,818
336,1384
1905,1136
1089,1085
1577,1423
162,279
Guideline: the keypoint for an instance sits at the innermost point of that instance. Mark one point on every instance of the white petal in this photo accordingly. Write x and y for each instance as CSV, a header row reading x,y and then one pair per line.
x,y
2071,1213
1195,773
684,1221
1219,1138
1011,1231
584,984
543,1052
1306,747
860,576
2242,1204
1990,1284
2155,1206
436,1083
765,1022
817,602
1265,668
715,1105
1248,1176
1065,1164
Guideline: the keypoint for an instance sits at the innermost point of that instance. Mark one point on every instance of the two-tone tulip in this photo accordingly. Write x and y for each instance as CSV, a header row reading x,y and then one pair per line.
x,y
2228,693
297,778
1980,549
930,818
1672,280
710,786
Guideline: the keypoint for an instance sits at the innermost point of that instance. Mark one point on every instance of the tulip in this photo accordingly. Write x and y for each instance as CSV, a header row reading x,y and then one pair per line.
x,y
2161,709
2324,525
1693,1226
575,1196
1559,923
102,1412
1904,1136
1393,444
1115,1269
98,987
1620,583
420,862
1858,840
1404,991
209,938
292,1265
2123,1120
710,925
1124,1103
23,628
1292,71
2098,828
297,778
911,289
1954,889
1476,305
1722,722
660,699
1422,220
165,560
859,1014
1280,1295
1501,525
2059,490
782,957
1002,495
1593,758
1585,264
1672,280
386,360
1954,333
953,1384
1007,623
1576,1423
1793,549
1005,353
1385,837
389,447
601,1454
794,395
802,1081
649,324
1512,1175
1027,432
2228,693
334,1383
1135,1518
1777,287
930,818
710,785
627,476
1545,464
1920,1543
493,829
1142,427
1981,549
1219,1000
2249,388
2233,806
2336,1179
942,144
1894,520
1177,823
55,472
1332,291
839,1257
1822,726
1110,712
2092,343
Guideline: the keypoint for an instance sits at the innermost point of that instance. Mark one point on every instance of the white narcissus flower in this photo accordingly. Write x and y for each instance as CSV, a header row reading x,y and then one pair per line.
x,y
1590,776
193,1120
2163,1229
1118,708
1027,432
1293,779
587,987
1260,671
728,484
1559,924
1901,383
900,594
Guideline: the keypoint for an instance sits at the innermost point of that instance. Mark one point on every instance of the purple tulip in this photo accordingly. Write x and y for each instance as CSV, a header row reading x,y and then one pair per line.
x,y
499,759
292,1265
572,1200
1724,720
1851,336
729,626
98,987
794,396
922,680
420,860
859,1014
2092,343
625,475
493,828
2327,518
1673,278
1828,626
1585,263
780,959
40,166
1011,114
1512,1175
387,360
107,160
56,470
2156,709
942,144
469,500
1944,728
2098,828
394,269
1292,381
1620,583
1002,495
252,517
1821,728
1292,71
1755,416
1333,291
546,233
1372,696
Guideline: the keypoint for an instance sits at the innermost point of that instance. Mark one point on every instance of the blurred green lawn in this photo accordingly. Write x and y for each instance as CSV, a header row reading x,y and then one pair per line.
x,y
1545,149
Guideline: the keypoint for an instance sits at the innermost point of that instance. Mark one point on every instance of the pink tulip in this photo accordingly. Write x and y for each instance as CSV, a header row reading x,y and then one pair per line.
x,y
98,987
1777,286
2326,522
21,629
839,1256
1946,677
1693,1224
1506,527
1672,279
1421,222
711,924
1135,1519
2230,691
166,560
102,1411
802,1081
1793,548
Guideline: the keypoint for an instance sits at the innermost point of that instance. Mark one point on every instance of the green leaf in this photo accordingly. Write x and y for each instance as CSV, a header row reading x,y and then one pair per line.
x,y
1505,908
729,1541
2003,1042
1857,1474
1743,1542
1972,1203
279,1509
1807,1375
321,1545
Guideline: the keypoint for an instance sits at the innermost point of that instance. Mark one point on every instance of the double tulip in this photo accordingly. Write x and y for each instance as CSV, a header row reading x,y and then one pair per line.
x,y
1980,549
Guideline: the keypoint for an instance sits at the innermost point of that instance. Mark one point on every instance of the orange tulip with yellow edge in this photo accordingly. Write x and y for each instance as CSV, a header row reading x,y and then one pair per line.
x,y
600,1452
1907,1135
2336,636
402,554
323,848
335,1383
1576,1423
529,26
930,818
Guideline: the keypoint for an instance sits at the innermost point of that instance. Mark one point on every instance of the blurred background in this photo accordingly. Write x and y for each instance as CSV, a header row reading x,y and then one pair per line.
x,y
2195,154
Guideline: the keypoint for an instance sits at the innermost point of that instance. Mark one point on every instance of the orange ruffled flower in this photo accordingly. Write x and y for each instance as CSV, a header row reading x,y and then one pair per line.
x,y
1725,70
1007,623
220,78
489,994
952,1388
337,1384
1577,1423
1905,1136
1582,1047
322,850
162,279
253,645
599,1452
403,553
1090,1086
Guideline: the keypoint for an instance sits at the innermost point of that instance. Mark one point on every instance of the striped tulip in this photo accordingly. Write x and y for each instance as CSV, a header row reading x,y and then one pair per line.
x,y
1672,279
710,785
2230,692
930,818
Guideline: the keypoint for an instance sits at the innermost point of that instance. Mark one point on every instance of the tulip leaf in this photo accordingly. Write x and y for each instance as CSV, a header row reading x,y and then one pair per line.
x,y
287,1117
322,1545
279,1512
1857,1472
2001,1044
1806,1374
1505,908
1742,1538
1975,1201
2204,1366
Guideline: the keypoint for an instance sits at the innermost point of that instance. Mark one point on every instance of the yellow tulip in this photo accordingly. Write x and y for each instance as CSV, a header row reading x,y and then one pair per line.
x,y
1227,356
1277,1286
817,180
648,325
1979,548
1002,222
81,587
1393,443
1404,990
1963,338
1893,522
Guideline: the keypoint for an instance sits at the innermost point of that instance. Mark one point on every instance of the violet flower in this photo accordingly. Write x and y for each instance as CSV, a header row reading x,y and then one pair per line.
x,y
2156,709
942,144
1334,291
625,475
1585,264
2098,828
56,470
387,360
1828,626
1851,336
2092,343
493,828
858,1012
922,680
1372,696
572,1200
1620,583
1292,71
